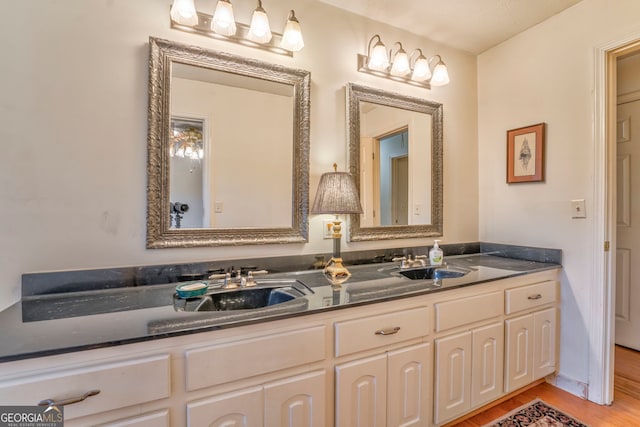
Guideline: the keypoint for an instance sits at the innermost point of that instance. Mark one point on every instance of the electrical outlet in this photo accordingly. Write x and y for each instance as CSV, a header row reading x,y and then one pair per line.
x,y
327,229
578,209
219,207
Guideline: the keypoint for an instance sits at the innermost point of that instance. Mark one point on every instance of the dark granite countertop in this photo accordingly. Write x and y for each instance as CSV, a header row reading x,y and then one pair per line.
x,y
42,325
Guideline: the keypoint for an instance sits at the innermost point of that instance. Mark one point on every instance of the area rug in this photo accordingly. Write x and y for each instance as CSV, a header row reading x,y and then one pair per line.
x,y
536,414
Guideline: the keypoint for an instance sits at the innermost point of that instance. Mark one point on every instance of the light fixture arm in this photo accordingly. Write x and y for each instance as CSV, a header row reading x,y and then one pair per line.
x,y
371,42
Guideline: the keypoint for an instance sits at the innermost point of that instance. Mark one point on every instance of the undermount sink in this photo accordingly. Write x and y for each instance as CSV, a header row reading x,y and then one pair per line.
x,y
434,273
264,294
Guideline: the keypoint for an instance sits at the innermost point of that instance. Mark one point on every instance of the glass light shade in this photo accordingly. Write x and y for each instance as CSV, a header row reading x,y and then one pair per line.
x,y
421,70
223,21
378,60
440,75
400,65
184,12
292,38
259,31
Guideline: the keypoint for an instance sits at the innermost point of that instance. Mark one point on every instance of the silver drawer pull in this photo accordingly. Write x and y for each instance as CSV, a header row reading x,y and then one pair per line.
x,y
68,401
388,331
536,296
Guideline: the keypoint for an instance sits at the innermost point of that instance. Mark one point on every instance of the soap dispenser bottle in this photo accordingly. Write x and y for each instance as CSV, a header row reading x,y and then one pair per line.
x,y
435,254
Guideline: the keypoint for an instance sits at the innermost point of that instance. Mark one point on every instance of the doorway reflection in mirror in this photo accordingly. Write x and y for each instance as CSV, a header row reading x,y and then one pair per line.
x,y
395,166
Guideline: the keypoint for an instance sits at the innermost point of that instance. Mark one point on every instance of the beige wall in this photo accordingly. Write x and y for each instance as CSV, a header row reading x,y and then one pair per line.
x,y
546,74
74,128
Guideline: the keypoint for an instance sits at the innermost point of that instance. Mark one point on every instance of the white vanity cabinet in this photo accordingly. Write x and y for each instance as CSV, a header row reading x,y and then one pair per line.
x,y
530,333
131,382
295,401
290,400
418,361
469,363
390,388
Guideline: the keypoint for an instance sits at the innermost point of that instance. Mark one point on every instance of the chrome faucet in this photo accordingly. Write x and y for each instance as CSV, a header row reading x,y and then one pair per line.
x,y
239,280
411,262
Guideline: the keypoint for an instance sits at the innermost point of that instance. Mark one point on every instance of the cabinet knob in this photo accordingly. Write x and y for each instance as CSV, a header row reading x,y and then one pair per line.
x,y
536,296
68,401
388,331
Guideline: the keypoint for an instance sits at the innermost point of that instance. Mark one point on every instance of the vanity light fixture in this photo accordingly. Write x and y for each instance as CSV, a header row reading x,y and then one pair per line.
x,y
184,12
400,64
292,38
421,72
377,58
337,194
223,21
259,31
222,26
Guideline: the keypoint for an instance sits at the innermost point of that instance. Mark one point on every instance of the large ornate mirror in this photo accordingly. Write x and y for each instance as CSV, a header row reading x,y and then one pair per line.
x,y
228,149
395,156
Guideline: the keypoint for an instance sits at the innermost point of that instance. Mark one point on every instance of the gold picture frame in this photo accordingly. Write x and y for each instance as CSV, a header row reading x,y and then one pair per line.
x,y
525,154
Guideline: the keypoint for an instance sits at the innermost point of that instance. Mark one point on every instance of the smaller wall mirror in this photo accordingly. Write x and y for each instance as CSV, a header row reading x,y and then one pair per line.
x,y
228,149
395,156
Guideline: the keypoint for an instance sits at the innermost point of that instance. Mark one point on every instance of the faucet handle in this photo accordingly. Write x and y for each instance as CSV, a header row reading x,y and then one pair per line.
x,y
250,281
257,272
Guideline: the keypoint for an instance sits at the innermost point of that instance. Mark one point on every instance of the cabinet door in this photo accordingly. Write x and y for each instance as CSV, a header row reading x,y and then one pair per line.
x,y
544,343
155,419
237,409
488,363
452,376
519,355
409,386
361,393
296,402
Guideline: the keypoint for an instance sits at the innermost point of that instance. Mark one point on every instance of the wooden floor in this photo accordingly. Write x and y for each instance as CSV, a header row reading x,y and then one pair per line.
x,y
624,412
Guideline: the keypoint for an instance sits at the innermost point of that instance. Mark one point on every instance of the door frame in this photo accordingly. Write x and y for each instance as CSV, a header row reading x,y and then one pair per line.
x,y
602,322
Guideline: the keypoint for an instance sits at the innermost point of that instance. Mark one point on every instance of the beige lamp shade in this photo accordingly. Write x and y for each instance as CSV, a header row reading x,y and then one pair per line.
x,y
337,194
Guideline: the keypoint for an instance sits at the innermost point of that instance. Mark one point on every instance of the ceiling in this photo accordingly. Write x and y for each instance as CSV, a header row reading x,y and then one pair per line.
x,y
470,25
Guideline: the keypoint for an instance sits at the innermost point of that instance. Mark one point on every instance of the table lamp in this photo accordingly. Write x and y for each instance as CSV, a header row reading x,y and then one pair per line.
x,y
337,194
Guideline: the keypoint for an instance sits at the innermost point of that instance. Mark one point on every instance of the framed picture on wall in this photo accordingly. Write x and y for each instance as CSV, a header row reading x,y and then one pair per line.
x,y
525,154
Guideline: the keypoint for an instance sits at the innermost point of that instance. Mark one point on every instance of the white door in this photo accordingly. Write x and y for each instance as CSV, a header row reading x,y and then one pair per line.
x,y
452,376
409,386
241,408
487,371
361,393
518,359
296,401
628,226
544,342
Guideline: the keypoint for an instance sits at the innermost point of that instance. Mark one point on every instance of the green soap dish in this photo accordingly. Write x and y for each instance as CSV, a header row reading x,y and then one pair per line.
x,y
191,290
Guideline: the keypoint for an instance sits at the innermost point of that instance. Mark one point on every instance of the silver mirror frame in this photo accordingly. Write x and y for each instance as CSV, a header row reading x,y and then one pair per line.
x,y
162,53
357,93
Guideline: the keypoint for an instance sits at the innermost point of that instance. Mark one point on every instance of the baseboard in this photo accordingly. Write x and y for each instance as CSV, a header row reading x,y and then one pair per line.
x,y
570,385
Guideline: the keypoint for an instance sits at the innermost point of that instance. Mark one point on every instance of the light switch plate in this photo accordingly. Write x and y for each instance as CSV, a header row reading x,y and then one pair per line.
x,y
327,226
578,209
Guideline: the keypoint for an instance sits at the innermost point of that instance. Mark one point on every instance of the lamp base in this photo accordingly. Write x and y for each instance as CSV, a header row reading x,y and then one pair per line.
x,y
335,268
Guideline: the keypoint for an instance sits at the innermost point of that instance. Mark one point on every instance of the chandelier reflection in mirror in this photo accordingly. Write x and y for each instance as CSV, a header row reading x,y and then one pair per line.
x,y
222,26
186,139
414,69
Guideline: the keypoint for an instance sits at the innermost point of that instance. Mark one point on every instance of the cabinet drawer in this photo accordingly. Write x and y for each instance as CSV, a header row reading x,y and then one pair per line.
x,y
235,360
370,332
122,383
464,311
526,297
